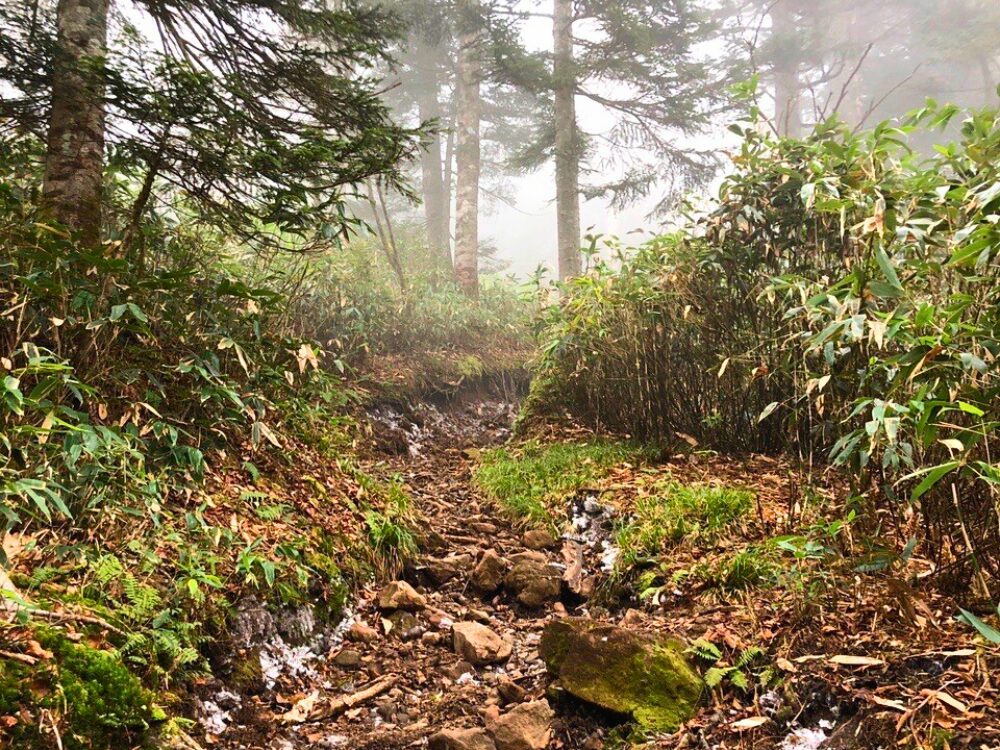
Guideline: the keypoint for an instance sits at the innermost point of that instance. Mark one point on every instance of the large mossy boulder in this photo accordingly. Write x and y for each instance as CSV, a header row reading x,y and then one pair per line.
x,y
643,676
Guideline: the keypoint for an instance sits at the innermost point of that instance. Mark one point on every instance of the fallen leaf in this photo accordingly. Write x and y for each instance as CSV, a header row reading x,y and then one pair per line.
x,y
786,665
888,703
849,660
302,709
752,723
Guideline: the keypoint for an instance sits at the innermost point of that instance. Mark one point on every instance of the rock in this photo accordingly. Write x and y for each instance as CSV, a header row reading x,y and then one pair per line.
x,y
457,669
538,539
534,583
460,739
510,691
572,555
489,572
245,673
442,570
641,675
403,623
401,595
479,645
527,726
529,556
348,659
361,633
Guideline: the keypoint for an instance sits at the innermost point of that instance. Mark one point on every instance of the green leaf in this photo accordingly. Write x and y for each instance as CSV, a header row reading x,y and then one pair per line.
x,y
988,632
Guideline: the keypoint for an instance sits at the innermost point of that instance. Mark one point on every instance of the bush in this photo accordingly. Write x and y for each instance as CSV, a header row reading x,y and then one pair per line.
x,y
842,297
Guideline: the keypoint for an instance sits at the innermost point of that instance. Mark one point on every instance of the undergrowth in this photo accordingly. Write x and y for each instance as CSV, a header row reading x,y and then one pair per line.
x,y
532,480
673,513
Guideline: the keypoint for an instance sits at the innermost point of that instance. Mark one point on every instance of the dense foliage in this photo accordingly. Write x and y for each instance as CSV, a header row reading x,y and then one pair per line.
x,y
841,297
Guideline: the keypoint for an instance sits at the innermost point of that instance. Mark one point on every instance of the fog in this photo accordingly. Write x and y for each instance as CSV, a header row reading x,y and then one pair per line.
x,y
859,60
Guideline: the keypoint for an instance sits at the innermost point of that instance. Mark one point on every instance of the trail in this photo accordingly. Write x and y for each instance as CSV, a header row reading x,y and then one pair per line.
x,y
430,687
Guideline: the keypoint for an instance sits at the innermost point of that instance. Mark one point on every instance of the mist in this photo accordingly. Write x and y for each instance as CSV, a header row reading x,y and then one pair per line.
x,y
642,148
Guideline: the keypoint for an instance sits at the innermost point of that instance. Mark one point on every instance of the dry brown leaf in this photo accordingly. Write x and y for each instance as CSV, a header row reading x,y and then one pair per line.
x,y
888,703
302,709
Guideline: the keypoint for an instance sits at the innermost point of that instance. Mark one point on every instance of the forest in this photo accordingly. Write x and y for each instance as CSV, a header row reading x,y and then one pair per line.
x,y
499,374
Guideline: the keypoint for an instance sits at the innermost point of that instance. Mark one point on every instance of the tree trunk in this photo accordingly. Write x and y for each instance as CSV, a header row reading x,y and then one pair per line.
x,y
567,151
432,180
467,157
787,91
74,163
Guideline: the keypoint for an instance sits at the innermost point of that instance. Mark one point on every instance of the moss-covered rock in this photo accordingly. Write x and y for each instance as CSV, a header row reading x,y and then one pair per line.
x,y
642,676
97,702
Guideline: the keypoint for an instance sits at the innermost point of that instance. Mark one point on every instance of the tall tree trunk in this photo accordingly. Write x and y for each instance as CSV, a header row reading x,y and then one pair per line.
x,y
74,163
432,180
449,172
787,90
468,155
567,145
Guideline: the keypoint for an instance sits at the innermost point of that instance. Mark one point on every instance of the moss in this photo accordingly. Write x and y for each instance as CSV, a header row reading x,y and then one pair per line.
x,y
97,701
642,677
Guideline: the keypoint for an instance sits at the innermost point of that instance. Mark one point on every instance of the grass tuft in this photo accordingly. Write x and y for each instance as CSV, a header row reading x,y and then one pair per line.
x,y
531,480
676,513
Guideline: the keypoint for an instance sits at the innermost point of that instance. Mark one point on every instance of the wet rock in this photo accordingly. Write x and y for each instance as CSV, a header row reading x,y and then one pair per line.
x,y
348,659
534,583
401,596
479,645
538,539
460,739
641,675
510,692
489,572
527,726
361,633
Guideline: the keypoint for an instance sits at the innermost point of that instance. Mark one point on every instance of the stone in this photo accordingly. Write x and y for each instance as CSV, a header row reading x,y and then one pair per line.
x,y
457,668
460,739
479,645
641,675
361,633
403,623
401,595
349,658
527,726
534,583
488,574
441,570
510,692
529,556
538,539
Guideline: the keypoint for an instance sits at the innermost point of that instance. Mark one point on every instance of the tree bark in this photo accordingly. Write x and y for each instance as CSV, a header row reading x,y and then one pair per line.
x,y
467,154
567,153
74,163
432,181
787,90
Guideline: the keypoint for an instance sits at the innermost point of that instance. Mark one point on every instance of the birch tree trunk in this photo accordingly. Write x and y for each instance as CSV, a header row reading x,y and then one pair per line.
x,y
74,163
567,154
787,91
467,153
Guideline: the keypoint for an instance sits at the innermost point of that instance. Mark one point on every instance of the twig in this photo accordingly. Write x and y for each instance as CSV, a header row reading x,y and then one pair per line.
x,y
45,614
23,658
339,705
